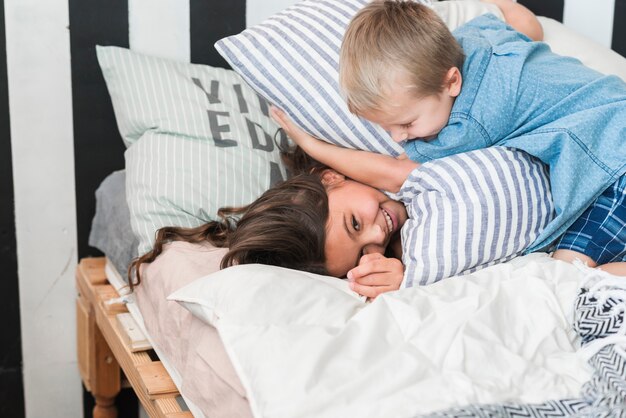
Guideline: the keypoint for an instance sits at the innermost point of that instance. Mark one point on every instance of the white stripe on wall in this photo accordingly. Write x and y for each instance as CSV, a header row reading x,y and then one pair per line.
x,y
592,18
40,102
160,28
259,10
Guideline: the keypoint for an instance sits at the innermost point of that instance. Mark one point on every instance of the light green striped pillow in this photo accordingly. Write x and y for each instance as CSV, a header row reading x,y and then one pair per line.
x,y
198,138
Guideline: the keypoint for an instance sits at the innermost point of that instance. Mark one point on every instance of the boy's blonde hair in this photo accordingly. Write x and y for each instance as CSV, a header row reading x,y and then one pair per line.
x,y
388,38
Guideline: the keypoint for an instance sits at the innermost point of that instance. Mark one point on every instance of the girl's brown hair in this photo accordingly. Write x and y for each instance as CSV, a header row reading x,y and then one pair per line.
x,y
391,38
285,226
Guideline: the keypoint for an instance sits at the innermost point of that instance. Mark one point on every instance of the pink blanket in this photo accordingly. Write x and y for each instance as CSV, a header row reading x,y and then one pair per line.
x,y
192,347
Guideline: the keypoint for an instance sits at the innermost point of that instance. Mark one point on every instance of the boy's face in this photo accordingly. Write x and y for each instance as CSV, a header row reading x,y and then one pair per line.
x,y
362,220
406,116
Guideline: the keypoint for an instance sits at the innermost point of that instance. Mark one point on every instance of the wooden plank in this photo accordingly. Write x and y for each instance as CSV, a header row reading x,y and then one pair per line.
x,y
132,333
171,408
105,377
184,414
109,299
99,295
92,269
155,380
84,326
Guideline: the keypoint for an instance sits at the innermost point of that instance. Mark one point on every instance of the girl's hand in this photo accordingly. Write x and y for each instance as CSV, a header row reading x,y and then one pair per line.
x,y
301,138
376,274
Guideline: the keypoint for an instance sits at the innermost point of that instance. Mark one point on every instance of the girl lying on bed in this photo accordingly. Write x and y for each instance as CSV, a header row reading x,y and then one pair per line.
x,y
454,215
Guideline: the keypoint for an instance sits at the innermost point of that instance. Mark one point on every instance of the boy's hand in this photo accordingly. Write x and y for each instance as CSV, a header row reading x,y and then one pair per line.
x,y
376,274
301,138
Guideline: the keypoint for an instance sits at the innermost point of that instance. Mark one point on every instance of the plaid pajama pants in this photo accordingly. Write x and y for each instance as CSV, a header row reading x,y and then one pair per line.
x,y
600,232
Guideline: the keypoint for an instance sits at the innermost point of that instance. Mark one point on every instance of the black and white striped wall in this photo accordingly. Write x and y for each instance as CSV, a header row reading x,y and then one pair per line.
x,y
58,140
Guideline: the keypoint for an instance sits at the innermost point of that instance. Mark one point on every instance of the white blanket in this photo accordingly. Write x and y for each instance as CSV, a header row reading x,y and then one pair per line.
x,y
303,346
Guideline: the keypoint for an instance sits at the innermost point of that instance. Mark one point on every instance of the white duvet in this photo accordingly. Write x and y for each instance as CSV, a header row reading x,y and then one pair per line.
x,y
305,346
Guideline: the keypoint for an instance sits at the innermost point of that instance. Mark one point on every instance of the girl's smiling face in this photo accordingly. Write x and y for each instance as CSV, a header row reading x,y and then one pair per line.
x,y
361,220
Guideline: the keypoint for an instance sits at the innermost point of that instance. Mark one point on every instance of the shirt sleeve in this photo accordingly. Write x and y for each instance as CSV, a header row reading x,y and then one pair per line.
x,y
462,134
420,229
471,210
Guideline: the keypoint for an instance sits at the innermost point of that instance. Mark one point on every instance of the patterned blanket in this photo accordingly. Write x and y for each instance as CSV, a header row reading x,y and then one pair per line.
x,y
599,320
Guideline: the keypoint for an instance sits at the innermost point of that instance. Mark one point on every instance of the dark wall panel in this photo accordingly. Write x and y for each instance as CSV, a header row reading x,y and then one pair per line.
x,y
11,385
98,147
548,8
210,21
619,27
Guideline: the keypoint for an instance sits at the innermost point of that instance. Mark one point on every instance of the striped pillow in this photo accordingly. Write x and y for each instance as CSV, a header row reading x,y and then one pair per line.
x,y
199,138
472,210
292,59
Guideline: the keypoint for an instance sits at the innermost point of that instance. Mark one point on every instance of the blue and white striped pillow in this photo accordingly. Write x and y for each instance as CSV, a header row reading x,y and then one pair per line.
x,y
292,60
472,210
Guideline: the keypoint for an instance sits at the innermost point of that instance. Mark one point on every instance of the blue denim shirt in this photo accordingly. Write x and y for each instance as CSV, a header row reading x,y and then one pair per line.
x,y
517,93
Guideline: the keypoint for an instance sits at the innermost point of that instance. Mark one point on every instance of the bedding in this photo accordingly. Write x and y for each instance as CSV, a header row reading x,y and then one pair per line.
x,y
275,58
501,336
207,378
110,231
472,210
211,384
199,138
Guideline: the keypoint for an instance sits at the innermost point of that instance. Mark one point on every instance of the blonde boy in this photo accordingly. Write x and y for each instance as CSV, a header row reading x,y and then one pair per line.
x,y
440,94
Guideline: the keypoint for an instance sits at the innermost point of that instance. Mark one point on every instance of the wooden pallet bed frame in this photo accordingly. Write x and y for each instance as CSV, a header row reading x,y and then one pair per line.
x,y
105,349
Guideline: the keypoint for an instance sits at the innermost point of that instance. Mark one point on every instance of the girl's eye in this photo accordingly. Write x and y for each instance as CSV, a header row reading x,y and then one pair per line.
x,y
407,125
355,224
